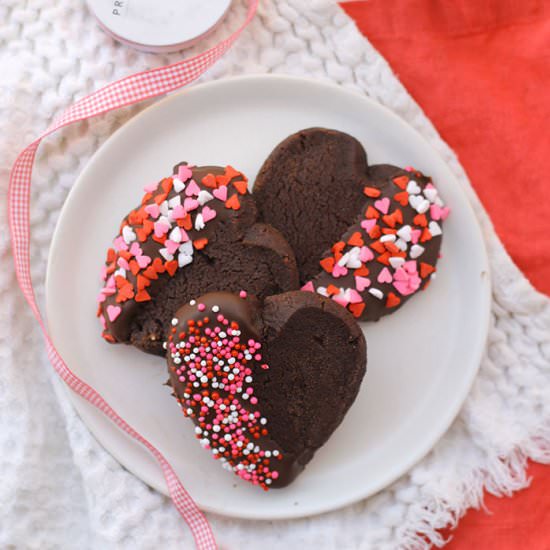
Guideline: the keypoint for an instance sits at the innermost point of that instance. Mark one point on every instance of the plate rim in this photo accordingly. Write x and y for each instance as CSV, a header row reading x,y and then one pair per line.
x,y
84,409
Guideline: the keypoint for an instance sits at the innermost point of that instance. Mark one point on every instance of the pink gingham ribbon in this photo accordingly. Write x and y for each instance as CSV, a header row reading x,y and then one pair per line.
x,y
127,91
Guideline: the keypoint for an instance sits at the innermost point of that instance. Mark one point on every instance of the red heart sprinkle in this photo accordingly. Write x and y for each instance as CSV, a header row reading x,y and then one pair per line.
x,y
233,202
401,181
372,192
392,300
356,309
327,264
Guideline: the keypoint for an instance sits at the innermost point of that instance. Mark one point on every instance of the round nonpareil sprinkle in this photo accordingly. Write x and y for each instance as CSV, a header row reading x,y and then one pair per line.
x,y
214,360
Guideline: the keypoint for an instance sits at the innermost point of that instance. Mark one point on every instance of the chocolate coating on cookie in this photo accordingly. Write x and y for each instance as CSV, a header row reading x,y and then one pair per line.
x,y
265,384
194,232
382,260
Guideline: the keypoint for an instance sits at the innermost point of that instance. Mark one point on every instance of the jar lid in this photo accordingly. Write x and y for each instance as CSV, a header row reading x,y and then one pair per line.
x,y
161,25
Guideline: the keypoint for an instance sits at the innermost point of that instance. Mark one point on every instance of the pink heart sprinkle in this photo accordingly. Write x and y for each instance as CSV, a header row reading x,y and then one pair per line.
x,y
171,246
161,229
153,210
152,187
410,267
220,193
110,283
308,287
400,275
120,244
143,261
103,322
354,296
429,186
435,212
383,205
415,235
184,173
178,213
403,287
190,204
366,254
445,211
192,189
103,272
361,283
414,282
385,276
109,291
121,262
101,297
184,235
113,312
367,225
341,299
339,271
135,249
208,214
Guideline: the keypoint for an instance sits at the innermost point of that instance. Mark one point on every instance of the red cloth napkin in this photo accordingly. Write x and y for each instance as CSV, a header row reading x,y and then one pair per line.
x,y
480,69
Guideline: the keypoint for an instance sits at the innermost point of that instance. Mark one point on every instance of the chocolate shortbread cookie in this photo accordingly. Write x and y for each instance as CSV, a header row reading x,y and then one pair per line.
x,y
367,237
265,382
194,232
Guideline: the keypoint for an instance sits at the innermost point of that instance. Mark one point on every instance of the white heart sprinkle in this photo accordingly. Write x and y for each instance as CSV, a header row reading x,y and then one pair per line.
x,y
174,201
184,259
423,206
413,188
396,261
121,272
163,207
415,200
354,261
128,234
435,229
343,260
401,244
430,194
166,255
405,233
388,238
322,291
175,235
416,251
204,197
186,248
199,222
179,186
376,293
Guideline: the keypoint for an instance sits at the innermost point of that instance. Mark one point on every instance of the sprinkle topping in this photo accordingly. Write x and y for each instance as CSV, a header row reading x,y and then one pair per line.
x,y
391,253
212,359
163,234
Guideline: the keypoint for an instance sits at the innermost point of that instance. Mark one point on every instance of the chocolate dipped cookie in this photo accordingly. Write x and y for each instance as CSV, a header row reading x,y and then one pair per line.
x,y
194,232
265,382
368,237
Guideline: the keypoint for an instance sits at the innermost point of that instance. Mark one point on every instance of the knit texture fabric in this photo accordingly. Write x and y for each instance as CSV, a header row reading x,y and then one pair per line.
x,y
59,488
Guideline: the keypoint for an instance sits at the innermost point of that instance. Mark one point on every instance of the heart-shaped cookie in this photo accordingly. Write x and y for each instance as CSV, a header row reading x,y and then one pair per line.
x,y
265,383
194,232
367,237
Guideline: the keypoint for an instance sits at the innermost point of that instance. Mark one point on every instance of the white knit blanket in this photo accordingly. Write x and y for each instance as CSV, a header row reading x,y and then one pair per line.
x,y
59,488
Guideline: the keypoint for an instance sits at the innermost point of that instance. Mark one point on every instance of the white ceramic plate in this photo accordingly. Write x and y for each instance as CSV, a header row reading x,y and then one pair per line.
x,y
422,360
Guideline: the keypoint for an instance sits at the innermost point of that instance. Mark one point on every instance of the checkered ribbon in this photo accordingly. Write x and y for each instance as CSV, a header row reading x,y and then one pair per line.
x,y
129,90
